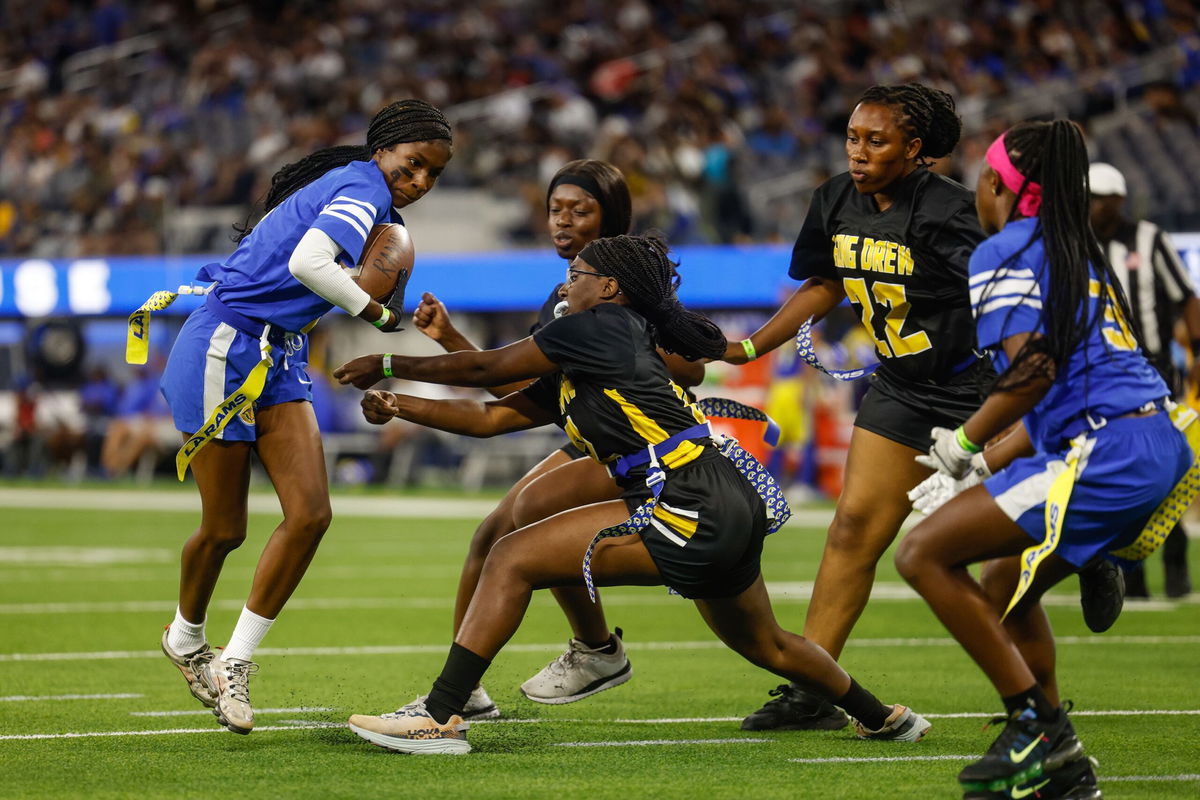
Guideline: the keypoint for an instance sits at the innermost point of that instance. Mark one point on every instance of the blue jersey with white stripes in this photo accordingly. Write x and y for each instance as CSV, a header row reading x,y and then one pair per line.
x,y
255,281
1106,377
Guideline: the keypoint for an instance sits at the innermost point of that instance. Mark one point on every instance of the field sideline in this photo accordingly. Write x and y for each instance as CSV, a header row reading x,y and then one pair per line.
x,y
89,706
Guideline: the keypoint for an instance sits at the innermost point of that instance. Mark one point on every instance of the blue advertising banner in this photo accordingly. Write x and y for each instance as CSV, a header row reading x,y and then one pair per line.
x,y
713,277
731,277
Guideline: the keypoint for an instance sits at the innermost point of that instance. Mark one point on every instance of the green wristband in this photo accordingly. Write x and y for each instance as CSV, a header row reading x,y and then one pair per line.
x,y
960,436
387,365
383,319
748,348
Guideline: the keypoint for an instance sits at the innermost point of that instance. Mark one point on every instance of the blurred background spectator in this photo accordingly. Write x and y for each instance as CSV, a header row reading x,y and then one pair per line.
x,y
151,127
147,127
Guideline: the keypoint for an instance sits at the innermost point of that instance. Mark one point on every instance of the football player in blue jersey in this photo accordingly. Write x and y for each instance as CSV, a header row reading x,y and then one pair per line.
x,y
236,383
1093,456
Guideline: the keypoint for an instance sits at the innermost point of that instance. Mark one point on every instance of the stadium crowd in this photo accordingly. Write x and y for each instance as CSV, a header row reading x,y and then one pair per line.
x,y
723,114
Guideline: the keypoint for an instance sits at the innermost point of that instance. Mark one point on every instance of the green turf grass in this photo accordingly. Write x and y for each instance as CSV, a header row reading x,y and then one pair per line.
x,y
389,583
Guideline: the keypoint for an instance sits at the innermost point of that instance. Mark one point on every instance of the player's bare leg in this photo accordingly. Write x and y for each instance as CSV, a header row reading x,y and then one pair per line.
x,y
222,474
874,503
595,657
289,445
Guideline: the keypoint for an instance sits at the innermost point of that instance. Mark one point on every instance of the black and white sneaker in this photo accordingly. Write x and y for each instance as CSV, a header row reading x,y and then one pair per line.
x,y
1027,748
794,708
578,673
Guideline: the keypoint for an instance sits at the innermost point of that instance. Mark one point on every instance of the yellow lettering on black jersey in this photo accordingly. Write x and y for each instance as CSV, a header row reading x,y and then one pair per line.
x,y
875,255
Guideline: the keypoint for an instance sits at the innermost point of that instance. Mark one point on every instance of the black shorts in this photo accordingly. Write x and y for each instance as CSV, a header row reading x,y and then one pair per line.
x,y
707,535
573,452
906,412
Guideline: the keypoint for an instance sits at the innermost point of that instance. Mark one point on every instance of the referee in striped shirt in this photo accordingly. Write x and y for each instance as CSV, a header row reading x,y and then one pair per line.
x,y
1160,294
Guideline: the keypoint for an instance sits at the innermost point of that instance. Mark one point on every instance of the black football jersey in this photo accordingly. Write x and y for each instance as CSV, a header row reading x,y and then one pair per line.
x,y
546,312
612,394
904,269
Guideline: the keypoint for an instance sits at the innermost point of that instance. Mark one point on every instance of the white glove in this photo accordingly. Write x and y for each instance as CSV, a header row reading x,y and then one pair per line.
x,y
932,493
947,455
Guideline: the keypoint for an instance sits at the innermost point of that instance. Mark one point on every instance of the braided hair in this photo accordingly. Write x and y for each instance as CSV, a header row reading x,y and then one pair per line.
x,y
1054,155
648,279
403,121
923,113
607,184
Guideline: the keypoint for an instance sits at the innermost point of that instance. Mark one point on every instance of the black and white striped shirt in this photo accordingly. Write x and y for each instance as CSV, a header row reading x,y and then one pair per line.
x,y
1156,282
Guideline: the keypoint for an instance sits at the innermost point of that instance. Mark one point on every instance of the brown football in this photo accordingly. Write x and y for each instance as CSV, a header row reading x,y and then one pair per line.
x,y
387,260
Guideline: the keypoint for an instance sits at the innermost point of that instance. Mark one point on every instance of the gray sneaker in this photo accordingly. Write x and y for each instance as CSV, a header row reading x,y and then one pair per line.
x,y
230,682
578,673
902,725
192,666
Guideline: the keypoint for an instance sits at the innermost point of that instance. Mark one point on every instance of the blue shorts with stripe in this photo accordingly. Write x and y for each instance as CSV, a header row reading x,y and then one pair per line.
x,y
1125,470
210,359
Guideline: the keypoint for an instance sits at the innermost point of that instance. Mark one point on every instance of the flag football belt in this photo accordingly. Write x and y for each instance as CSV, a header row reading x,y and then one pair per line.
x,y
808,354
732,409
778,511
1155,531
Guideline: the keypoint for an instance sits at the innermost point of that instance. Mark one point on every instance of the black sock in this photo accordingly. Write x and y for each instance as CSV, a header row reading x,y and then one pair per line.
x,y
453,687
608,646
1032,698
864,706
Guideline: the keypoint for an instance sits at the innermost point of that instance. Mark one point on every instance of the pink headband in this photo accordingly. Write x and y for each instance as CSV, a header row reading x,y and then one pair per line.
x,y
1030,200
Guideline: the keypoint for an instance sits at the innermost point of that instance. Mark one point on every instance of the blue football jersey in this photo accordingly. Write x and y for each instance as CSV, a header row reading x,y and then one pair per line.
x,y
255,281
1106,377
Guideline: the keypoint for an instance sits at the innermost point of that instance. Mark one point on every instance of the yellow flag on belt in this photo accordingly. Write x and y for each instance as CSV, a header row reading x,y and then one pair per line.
x,y
137,341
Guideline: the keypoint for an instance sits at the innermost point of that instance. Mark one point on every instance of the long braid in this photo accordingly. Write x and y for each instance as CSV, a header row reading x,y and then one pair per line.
x,y
403,121
1054,155
648,279
926,113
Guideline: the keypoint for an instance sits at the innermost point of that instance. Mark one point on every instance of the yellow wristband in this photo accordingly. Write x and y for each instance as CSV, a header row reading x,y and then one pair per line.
x,y
748,349
387,365
383,319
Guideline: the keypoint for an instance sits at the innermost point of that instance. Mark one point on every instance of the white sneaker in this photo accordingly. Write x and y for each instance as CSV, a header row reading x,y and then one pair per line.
x,y
411,730
902,725
192,666
578,673
230,682
479,705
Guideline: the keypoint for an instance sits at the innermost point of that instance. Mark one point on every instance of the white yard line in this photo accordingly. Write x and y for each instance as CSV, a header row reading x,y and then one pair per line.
x,y
655,742
780,593
877,759
184,501
708,644
18,698
1132,778
208,712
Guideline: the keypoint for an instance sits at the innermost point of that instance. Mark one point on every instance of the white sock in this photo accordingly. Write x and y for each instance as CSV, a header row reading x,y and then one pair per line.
x,y
247,636
185,637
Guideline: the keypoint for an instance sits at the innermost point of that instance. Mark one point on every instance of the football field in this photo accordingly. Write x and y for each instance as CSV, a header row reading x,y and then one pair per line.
x,y
89,705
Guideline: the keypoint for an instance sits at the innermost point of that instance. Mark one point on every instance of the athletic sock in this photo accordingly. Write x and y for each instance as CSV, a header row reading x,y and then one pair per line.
x,y
185,637
1032,698
607,647
864,706
247,636
453,687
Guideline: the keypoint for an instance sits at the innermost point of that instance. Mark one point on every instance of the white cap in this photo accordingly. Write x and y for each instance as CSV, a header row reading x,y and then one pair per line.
x,y
1105,179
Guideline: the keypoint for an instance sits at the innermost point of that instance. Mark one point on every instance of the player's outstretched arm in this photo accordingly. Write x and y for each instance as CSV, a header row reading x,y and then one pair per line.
x,y
815,298
432,319
520,361
467,417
